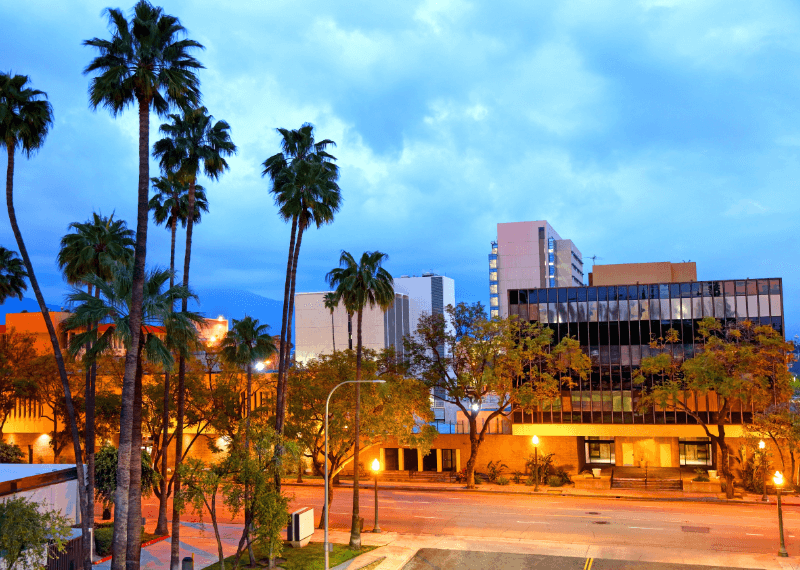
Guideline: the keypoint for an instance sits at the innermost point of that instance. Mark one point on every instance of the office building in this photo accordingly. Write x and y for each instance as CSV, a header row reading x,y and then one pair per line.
x,y
429,294
529,255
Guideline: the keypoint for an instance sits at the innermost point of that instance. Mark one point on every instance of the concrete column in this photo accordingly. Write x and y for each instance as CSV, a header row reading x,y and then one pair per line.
x,y
400,459
458,460
382,458
419,460
438,460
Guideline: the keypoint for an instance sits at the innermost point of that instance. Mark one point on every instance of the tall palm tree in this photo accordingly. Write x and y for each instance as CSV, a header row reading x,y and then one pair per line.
x,y
246,342
147,61
359,285
304,186
114,306
330,302
91,248
193,141
25,119
170,206
12,275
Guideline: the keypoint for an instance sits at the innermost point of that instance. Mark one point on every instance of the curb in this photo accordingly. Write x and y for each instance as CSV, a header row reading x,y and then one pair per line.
x,y
144,544
714,500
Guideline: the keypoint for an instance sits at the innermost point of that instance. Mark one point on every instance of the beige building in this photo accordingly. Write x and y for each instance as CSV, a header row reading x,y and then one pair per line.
x,y
318,331
633,273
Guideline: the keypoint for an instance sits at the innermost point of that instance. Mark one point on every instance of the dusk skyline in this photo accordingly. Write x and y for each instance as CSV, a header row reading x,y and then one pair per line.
x,y
660,131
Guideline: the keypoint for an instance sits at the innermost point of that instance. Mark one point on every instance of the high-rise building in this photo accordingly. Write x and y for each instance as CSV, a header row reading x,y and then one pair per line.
x,y
429,293
530,255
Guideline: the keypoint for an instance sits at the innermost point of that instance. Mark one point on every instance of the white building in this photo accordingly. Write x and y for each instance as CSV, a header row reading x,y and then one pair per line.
x,y
530,255
429,294
318,331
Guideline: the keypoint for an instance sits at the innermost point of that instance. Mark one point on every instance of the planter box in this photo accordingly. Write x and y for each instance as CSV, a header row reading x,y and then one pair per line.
x,y
603,482
702,486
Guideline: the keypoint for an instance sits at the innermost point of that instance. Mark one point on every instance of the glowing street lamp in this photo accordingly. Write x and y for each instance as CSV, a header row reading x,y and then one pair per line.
x,y
259,366
535,442
376,467
762,446
778,480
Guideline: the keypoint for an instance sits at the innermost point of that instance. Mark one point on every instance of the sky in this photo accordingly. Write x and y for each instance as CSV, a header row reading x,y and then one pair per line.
x,y
658,130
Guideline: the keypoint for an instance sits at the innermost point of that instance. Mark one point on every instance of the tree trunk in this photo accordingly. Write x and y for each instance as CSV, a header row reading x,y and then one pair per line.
x,y
134,548
86,517
333,333
724,453
355,524
282,349
216,531
91,393
174,561
327,505
474,445
248,515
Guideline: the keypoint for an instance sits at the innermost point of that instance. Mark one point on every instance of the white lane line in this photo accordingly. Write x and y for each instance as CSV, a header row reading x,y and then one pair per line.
x,y
414,502
531,522
753,534
421,517
645,528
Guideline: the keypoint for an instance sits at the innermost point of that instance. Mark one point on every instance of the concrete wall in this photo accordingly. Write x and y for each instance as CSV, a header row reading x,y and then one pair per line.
x,y
633,273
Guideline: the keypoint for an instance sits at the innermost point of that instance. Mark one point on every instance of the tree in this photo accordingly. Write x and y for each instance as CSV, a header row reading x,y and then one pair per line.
x,y
465,357
12,275
246,342
146,61
400,408
91,248
192,141
11,453
780,423
49,392
28,534
359,285
737,364
17,358
25,120
330,302
106,474
303,177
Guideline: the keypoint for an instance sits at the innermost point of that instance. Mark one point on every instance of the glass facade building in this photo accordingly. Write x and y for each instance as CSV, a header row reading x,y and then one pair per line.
x,y
614,325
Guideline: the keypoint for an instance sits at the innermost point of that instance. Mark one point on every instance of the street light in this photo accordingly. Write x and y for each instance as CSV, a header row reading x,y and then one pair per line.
x,y
778,480
762,446
376,467
326,545
535,441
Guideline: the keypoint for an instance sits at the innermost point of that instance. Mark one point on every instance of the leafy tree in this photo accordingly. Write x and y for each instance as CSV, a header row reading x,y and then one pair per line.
x,y
11,453
17,358
246,342
738,364
399,408
192,141
781,424
304,185
106,474
28,533
147,61
25,120
48,391
359,285
12,275
465,357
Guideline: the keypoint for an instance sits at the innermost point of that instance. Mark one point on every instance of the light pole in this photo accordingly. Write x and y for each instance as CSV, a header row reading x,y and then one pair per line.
x,y
326,545
762,446
376,467
778,480
535,441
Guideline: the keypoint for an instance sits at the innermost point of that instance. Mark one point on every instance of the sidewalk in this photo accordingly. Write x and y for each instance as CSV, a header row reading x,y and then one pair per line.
x,y
567,490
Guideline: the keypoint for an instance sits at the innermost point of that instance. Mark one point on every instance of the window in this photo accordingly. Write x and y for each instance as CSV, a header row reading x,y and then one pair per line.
x,y
448,460
695,451
390,460
493,288
551,257
552,282
552,270
600,450
550,243
523,296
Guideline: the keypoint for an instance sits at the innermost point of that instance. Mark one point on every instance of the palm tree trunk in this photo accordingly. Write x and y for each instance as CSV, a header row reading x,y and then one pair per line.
x,y
134,548
121,499
91,396
174,560
333,333
161,525
248,507
280,389
62,371
355,525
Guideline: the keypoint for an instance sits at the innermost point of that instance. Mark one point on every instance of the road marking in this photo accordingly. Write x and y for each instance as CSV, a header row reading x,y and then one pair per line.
x,y
588,564
421,517
752,534
414,502
645,528
531,522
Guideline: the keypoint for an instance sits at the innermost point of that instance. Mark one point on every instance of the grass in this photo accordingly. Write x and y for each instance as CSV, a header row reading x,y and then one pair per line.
x,y
311,557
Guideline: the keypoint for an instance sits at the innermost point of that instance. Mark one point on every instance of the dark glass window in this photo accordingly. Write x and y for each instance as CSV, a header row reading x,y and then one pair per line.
x,y
763,287
613,333
776,324
562,295
612,293
675,290
663,291
653,292
741,288
543,295
523,297
643,292
697,289
592,293
774,287
602,294
751,288
572,294
552,296
622,293
633,292
581,293
686,290
594,334
513,297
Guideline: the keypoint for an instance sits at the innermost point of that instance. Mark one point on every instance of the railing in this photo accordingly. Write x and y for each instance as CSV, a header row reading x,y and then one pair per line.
x,y
497,426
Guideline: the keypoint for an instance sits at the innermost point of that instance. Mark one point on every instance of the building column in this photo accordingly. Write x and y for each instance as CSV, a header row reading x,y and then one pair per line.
x,y
458,460
438,460
400,459
382,458
419,460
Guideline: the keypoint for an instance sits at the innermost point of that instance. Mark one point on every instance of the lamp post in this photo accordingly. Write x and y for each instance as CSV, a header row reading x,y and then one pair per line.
x,y
326,545
535,441
762,447
376,467
778,480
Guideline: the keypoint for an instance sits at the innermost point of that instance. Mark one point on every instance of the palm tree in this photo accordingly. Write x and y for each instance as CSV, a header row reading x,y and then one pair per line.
x,y
25,119
246,342
304,185
329,299
359,285
146,61
192,141
12,275
114,306
170,206
91,248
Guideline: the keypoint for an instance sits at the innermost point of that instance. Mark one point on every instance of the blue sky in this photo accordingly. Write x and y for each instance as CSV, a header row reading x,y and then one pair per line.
x,y
659,130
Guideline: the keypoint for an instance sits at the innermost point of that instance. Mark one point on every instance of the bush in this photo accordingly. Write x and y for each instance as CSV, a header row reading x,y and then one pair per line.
x,y
10,453
561,473
555,481
517,476
503,481
102,539
530,481
702,476
495,468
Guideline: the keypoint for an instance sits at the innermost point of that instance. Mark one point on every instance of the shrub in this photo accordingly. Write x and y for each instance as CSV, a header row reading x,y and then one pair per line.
x,y
495,468
555,481
102,540
10,453
517,476
561,473
503,481
530,481
702,476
